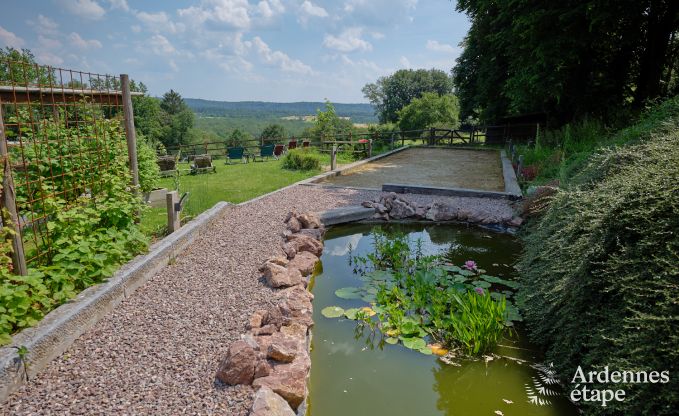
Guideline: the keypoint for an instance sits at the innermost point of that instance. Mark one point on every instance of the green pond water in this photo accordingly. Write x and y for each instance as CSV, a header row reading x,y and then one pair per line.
x,y
350,375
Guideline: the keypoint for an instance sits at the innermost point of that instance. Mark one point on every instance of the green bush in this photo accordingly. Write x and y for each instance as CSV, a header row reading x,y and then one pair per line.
x,y
302,159
149,172
599,273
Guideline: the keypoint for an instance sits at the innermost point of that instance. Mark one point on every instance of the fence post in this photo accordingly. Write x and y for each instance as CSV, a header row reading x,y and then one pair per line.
x,y
519,167
9,202
391,142
370,148
173,216
432,136
130,132
333,157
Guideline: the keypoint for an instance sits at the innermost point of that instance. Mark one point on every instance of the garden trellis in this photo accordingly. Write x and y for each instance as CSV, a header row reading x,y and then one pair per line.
x,y
61,133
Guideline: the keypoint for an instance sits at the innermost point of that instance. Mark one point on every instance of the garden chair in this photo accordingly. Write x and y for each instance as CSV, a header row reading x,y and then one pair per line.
x,y
167,165
265,151
278,151
292,144
306,143
202,164
236,153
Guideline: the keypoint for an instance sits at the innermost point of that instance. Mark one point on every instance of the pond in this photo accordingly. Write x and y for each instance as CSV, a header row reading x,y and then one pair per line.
x,y
352,376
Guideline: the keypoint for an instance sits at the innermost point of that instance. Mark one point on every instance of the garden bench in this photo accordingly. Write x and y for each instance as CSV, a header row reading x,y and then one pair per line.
x,y
202,164
167,165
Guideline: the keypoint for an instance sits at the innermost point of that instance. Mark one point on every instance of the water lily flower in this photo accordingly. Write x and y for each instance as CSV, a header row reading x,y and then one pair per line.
x,y
470,265
479,290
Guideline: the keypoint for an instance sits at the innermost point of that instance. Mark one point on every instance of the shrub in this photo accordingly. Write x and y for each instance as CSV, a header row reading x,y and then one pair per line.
x,y
599,273
302,159
147,161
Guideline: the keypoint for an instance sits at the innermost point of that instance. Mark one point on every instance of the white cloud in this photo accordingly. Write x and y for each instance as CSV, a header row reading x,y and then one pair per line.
x,y
347,41
405,63
81,43
89,9
270,8
280,59
379,12
135,28
435,46
233,13
10,39
161,46
308,10
159,22
48,58
377,35
119,4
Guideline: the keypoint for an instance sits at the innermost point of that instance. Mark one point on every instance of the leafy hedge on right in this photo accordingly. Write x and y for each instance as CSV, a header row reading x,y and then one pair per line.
x,y
600,270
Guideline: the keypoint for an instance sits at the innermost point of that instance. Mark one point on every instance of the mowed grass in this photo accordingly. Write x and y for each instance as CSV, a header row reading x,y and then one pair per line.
x,y
231,183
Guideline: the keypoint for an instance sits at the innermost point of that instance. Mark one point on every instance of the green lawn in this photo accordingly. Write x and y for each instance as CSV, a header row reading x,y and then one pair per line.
x,y
231,183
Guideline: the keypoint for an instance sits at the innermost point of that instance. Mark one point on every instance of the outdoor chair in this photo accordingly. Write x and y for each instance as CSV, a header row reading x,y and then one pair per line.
x,y
265,151
167,165
278,151
292,144
306,143
236,153
202,164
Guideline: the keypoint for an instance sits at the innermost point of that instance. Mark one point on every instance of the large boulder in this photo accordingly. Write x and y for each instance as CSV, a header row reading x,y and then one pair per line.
x,y
294,225
289,250
284,348
305,262
301,242
288,380
442,212
401,209
309,220
315,233
280,276
268,403
238,367
295,305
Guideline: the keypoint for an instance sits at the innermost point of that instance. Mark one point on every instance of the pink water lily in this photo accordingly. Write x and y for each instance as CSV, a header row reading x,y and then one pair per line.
x,y
470,265
479,290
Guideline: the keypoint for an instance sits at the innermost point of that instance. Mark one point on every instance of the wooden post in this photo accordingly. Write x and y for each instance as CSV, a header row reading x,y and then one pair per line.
x,y
370,148
173,216
519,167
432,136
333,157
9,202
130,132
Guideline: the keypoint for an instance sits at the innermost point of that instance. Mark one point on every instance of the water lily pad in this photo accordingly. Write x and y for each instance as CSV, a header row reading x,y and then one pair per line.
x,y
332,312
459,278
467,273
391,340
451,268
351,313
414,343
497,280
348,293
426,350
409,328
481,283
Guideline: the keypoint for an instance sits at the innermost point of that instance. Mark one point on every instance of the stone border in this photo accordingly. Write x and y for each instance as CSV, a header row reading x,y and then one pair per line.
x,y
348,168
434,190
511,183
55,333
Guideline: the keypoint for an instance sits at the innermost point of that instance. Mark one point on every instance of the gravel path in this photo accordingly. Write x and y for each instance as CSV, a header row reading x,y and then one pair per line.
x,y
158,351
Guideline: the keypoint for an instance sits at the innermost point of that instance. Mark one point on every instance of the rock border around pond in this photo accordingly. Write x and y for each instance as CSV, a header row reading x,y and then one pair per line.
x,y
273,356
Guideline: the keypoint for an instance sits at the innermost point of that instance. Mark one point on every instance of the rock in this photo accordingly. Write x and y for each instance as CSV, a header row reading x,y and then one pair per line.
x,y
294,225
515,222
263,341
401,209
289,216
296,305
265,330
380,208
279,276
239,365
288,380
283,348
420,212
377,216
289,250
263,369
257,319
302,242
268,403
309,220
305,262
475,217
367,204
294,329
463,214
315,233
275,317
490,219
250,340
279,260
442,212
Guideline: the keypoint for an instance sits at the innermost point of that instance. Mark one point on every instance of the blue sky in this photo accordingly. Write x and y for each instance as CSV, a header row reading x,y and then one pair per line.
x,y
235,50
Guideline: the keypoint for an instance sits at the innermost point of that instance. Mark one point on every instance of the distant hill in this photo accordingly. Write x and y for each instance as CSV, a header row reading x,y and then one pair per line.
x,y
359,113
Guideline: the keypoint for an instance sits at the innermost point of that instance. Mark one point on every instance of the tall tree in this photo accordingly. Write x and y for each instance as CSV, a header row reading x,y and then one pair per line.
x,y
391,93
177,119
429,111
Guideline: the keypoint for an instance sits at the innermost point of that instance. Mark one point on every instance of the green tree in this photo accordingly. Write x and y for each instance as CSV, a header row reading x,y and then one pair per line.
x,y
391,93
177,119
238,137
328,123
429,111
273,131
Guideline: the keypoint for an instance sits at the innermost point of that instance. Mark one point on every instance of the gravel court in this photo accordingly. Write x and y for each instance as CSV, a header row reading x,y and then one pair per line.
x,y
158,351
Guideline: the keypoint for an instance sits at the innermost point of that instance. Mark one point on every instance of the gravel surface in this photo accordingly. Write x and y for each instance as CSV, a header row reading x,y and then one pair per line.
x,y
158,351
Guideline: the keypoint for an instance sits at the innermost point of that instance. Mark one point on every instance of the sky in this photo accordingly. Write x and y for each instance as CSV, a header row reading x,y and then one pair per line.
x,y
240,50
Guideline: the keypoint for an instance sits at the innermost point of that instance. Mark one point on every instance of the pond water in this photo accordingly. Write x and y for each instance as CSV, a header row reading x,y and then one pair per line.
x,y
352,376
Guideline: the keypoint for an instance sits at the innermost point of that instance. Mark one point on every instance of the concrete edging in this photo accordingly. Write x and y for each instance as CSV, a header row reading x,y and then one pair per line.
x,y
511,183
433,190
350,167
63,325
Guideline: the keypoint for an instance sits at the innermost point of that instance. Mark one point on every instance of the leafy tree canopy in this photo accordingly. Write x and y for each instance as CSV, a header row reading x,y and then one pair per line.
x,y
391,93
430,110
273,131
